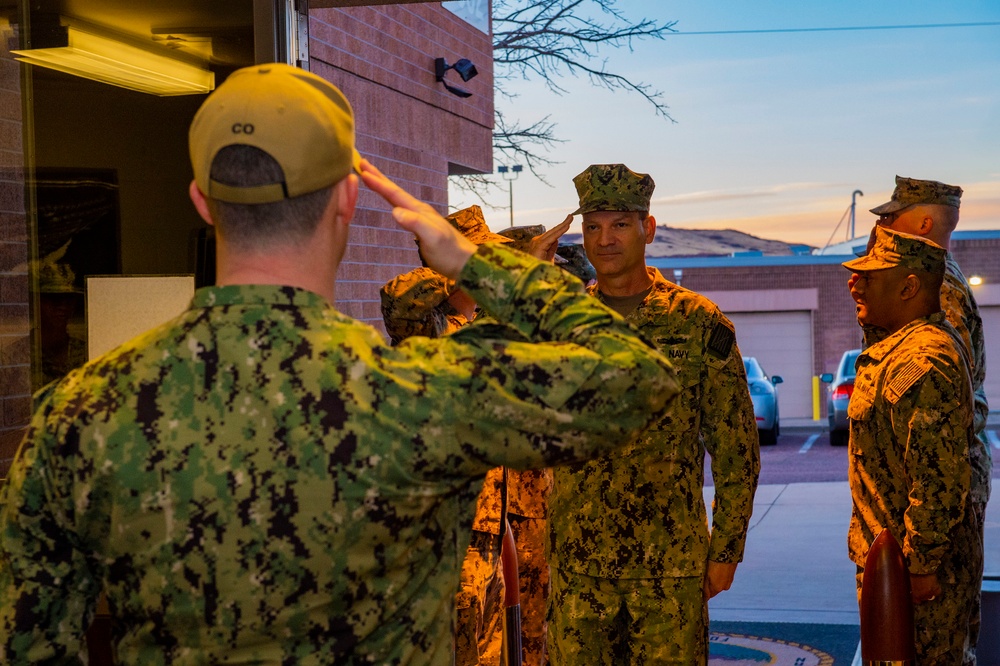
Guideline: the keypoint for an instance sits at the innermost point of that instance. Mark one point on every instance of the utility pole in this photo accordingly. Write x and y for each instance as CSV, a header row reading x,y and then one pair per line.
x,y
854,194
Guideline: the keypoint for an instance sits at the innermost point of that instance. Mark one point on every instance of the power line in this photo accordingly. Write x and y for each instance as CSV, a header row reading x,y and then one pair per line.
x,y
839,29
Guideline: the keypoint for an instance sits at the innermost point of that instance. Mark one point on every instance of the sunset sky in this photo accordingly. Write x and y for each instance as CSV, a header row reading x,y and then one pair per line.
x,y
775,130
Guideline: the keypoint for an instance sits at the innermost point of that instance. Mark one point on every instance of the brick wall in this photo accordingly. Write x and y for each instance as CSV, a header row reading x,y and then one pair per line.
x,y
979,257
15,350
407,123
835,327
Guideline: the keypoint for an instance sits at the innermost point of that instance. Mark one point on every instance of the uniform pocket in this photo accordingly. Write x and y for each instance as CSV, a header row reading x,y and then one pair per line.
x,y
860,407
684,411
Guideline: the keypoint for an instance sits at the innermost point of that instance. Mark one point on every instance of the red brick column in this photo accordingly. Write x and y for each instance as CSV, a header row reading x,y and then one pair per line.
x,y
407,123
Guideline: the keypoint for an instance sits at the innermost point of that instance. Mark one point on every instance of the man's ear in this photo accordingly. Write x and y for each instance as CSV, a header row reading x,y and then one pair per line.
x,y
200,202
345,194
925,226
650,228
910,287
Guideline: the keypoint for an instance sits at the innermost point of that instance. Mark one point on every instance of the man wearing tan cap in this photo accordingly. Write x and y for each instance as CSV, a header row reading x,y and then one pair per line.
x,y
930,209
633,558
424,302
911,428
262,480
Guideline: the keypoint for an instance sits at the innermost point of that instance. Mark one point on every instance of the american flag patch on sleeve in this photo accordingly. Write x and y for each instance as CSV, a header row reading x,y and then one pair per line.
x,y
904,379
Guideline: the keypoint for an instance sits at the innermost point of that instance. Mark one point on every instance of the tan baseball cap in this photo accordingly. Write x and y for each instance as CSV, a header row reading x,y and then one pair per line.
x,y
893,248
301,120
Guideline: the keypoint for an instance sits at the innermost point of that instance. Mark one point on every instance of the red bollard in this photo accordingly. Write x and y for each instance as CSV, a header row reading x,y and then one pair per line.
x,y
887,635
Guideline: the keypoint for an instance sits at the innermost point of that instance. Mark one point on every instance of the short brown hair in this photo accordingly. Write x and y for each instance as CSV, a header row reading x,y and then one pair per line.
x,y
288,221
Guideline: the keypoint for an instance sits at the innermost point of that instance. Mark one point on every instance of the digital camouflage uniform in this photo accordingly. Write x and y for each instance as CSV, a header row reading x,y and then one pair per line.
x,y
263,480
416,303
911,426
962,311
631,528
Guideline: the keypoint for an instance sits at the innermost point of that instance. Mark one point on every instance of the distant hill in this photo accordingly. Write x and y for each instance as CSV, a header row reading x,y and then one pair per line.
x,y
674,242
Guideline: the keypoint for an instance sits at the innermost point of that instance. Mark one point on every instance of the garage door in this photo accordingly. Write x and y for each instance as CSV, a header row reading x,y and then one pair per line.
x,y
782,344
991,332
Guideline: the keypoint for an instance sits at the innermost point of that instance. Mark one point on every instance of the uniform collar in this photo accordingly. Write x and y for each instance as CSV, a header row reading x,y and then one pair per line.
x,y
883,348
256,294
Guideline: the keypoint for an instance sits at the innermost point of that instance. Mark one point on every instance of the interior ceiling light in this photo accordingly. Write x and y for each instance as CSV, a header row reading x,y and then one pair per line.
x,y
100,58
465,69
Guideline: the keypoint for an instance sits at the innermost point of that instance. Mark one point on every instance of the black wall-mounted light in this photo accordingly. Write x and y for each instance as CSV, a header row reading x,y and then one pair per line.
x,y
465,69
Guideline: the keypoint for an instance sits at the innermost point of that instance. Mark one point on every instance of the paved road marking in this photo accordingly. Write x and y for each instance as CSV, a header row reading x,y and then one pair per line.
x,y
994,440
813,438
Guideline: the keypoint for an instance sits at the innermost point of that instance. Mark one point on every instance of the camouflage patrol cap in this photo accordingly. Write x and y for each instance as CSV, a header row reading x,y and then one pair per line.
x,y
521,236
576,262
472,224
893,248
301,120
910,191
412,280
613,187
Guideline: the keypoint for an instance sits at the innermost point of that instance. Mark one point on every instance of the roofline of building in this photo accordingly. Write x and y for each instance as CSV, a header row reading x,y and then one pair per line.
x,y
833,254
739,261
857,245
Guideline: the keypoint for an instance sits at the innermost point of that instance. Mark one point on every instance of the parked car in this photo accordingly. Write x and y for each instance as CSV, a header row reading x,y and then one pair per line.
x,y
764,394
839,394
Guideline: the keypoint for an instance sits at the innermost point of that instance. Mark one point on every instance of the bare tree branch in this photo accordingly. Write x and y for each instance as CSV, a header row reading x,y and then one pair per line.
x,y
548,40
513,141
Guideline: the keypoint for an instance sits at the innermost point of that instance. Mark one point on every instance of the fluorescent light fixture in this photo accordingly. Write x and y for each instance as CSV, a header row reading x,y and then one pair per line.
x,y
107,60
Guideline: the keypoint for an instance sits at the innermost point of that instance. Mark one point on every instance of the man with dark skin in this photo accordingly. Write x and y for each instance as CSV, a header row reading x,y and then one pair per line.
x,y
930,209
911,428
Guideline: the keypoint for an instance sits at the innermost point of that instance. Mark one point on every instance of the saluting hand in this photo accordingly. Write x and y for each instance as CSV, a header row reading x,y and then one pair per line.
x,y
544,246
444,249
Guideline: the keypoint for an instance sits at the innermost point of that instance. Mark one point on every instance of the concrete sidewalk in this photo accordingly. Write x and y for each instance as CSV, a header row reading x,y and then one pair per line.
x,y
795,567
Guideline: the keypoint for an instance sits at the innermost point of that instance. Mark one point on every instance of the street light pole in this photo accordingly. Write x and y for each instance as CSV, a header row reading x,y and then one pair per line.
x,y
515,170
854,194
